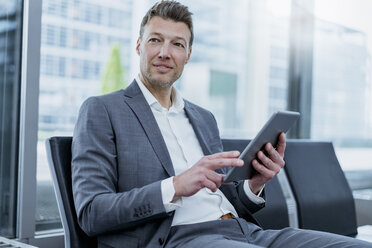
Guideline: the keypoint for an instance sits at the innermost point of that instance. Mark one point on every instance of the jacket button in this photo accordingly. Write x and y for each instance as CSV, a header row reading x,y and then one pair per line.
x,y
161,241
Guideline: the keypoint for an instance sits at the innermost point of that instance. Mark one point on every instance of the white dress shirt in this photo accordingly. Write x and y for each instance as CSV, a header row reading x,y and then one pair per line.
x,y
185,150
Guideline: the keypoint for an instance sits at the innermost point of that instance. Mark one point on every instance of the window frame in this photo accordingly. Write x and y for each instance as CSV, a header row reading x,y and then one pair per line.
x,y
29,108
300,76
9,169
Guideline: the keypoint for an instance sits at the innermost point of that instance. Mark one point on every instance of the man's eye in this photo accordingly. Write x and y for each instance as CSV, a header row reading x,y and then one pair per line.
x,y
153,40
179,44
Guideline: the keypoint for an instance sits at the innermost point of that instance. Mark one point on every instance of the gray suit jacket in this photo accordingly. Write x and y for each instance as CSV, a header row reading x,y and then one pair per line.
x,y
119,158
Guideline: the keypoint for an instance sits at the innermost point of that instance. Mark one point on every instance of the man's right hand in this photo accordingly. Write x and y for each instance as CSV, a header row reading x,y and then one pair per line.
x,y
203,175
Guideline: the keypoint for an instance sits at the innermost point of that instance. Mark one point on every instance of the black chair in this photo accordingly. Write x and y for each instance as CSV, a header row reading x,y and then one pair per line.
x,y
275,213
273,216
324,199
59,157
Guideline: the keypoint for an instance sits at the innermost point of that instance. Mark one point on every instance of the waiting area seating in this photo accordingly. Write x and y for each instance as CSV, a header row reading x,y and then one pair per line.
x,y
59,157
323,196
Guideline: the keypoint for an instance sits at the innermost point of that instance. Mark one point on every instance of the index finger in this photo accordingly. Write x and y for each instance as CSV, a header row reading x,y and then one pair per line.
x,y
219,163
228,154
280,147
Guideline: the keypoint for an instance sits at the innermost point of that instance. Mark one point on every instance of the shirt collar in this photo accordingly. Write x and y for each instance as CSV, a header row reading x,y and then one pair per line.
x,y
177,100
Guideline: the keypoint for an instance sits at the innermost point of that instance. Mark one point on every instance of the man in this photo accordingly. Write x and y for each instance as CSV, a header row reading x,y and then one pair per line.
x,y
147,166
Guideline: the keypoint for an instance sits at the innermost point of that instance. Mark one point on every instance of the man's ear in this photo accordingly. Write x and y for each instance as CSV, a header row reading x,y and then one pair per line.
x,y
188,56
138,45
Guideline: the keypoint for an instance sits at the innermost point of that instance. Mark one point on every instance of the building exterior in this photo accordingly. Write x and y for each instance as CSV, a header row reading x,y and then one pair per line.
x,y
77,35
76,40
340,85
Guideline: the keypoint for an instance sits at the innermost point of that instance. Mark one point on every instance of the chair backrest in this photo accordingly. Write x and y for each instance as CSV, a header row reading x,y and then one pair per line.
x,y
59,157
275,213
323,196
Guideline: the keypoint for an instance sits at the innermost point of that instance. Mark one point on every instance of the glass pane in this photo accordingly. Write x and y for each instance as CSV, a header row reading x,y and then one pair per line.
x,y
79,40
10,49
239,66
342,86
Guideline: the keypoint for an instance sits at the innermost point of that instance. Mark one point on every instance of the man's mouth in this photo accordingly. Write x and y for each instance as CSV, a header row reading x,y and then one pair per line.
x,y
163,67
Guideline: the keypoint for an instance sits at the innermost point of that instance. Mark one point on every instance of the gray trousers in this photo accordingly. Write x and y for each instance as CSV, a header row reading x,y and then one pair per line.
x,y
237,232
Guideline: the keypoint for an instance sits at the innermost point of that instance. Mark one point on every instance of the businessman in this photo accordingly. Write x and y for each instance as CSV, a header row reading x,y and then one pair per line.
x,y
148,166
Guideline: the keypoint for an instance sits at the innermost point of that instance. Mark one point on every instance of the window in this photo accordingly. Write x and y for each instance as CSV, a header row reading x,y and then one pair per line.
x,y
242,47
342,85
70,72
10,47
50,34
62,66
63,36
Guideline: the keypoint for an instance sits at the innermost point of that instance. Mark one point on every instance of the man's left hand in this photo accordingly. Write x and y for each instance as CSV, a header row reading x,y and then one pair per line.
x,y
270,164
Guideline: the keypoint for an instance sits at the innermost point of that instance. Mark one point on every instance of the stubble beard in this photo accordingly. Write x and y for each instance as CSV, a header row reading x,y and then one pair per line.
x,y
154,82
147,76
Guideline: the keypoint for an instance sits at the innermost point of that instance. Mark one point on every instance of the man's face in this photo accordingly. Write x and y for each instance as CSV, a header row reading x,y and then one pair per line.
x,y
164,50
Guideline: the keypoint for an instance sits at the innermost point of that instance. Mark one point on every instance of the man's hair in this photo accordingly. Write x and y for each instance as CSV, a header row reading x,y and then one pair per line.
x,y
169,10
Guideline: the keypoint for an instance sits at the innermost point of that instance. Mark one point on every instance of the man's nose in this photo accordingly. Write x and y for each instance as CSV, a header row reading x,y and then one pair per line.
x,y
164,52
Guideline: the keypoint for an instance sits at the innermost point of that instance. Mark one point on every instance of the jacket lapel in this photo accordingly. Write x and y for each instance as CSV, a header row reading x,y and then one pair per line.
x,y
198,126
137,102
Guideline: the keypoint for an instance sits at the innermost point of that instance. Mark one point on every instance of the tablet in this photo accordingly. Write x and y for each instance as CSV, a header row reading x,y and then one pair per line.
x,y
280,121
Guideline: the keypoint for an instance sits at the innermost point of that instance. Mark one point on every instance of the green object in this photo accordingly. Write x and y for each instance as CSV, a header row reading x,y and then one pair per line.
x,y
223,83
114,78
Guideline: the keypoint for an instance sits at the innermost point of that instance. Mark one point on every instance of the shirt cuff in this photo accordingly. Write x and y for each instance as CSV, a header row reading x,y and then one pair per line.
x,y
257,199
167,193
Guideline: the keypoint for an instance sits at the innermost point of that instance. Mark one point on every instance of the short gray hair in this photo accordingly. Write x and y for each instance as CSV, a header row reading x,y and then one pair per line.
x,y
172,10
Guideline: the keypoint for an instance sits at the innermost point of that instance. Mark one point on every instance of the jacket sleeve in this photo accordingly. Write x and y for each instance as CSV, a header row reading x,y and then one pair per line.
x,y
99,206
243,205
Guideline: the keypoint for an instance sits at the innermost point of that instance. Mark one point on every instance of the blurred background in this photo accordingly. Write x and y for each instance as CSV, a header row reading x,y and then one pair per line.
x,y
250,58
